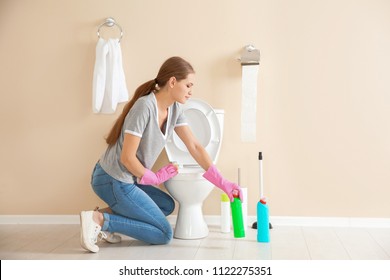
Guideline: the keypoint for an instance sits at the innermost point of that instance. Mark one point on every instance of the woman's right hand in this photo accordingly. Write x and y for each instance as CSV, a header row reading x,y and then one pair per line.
x,y
164,174
230,188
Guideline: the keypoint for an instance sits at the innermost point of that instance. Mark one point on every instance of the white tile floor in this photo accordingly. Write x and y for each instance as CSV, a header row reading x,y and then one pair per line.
x,y
61,242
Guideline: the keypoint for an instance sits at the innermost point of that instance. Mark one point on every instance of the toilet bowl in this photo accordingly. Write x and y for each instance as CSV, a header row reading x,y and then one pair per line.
x,y
188,187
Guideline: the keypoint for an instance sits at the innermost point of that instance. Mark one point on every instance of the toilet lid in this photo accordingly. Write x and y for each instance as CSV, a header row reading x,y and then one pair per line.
x,y
204,124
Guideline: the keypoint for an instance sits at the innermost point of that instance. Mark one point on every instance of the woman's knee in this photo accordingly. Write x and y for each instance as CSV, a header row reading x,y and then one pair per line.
x,y
165,236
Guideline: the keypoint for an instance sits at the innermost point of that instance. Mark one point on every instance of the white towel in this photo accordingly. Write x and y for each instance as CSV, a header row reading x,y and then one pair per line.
x,y
109,84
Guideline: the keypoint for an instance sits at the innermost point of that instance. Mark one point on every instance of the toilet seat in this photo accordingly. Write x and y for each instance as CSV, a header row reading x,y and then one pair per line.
x,y
205,125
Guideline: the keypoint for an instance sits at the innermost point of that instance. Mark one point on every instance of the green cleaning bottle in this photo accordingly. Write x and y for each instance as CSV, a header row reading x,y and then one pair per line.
x,y
238,221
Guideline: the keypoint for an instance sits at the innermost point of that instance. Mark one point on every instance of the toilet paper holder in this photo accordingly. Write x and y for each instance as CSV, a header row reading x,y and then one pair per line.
x,y
250,56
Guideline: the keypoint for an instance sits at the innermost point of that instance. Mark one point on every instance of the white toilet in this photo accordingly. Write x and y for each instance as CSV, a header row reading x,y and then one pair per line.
x,y
189,187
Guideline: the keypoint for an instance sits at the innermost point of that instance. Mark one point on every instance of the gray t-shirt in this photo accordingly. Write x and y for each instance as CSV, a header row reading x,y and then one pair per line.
x,y
142,121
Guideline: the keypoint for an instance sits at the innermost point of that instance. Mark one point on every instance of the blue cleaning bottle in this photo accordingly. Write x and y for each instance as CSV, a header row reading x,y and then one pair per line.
x,y
262,221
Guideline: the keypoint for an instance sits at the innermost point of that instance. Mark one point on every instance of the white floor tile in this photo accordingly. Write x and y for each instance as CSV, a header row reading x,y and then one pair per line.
x,y
360,245
382,237
217,246
288,243
323,244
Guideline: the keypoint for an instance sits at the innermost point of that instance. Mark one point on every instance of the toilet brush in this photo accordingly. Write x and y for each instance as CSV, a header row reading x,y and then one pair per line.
x,y
244,191
254,225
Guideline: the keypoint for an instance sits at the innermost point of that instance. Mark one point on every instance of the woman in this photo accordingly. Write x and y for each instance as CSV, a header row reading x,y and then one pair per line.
x,y
122,177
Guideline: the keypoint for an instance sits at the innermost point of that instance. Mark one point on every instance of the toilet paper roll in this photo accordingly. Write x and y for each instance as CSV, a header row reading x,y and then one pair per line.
x,y
248,102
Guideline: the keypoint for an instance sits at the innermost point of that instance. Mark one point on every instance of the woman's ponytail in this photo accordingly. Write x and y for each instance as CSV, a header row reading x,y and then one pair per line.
x,y
142,90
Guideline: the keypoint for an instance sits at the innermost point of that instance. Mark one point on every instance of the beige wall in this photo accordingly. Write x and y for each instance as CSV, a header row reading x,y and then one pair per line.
x,y
323,108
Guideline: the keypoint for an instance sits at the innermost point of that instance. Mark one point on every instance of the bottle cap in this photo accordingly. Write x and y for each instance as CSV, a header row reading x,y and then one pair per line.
x,y
262,200
225,198
236,194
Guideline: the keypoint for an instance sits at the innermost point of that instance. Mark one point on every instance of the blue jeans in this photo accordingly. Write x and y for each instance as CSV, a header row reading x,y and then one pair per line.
x,y
139,211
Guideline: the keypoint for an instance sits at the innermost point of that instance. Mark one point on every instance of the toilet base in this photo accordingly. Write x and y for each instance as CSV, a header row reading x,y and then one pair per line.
x,y
190,223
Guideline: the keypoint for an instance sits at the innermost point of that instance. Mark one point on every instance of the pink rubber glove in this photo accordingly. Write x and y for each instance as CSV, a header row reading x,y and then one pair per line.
x,y
160,176
213,175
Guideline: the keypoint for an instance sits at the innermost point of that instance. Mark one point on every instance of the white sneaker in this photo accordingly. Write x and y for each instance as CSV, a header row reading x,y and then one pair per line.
x,y
111,237
89,231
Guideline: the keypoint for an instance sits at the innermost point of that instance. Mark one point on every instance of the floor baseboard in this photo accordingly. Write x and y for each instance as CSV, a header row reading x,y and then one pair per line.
x,y
215,220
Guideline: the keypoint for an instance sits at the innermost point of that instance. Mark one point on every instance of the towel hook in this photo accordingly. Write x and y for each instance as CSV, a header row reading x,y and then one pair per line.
x,y
110,22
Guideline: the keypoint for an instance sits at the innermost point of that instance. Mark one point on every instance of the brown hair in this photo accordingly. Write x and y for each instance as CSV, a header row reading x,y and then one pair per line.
x,y
173,67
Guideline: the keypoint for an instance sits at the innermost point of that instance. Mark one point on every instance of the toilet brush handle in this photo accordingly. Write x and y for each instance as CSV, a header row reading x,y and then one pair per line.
x,y
261,175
